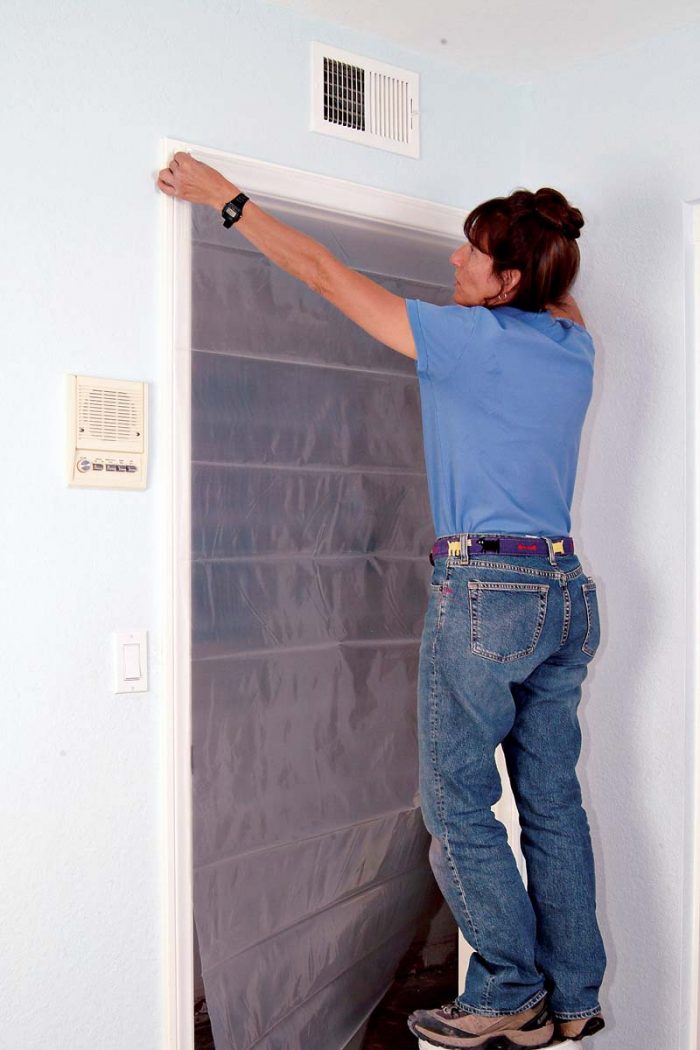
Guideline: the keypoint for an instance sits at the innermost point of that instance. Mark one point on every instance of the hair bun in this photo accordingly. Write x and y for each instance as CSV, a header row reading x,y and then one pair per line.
x,y
554,208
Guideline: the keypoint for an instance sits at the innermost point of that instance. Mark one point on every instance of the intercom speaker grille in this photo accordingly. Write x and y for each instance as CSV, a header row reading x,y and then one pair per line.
x,y
364,101
110,415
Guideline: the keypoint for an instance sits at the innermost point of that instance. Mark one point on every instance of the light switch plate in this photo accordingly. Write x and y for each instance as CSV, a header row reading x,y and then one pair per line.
x,y
130,656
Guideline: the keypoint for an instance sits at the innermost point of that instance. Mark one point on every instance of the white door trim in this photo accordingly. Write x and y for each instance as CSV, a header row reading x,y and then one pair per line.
x,y
174,534
322,191
690,973
303,187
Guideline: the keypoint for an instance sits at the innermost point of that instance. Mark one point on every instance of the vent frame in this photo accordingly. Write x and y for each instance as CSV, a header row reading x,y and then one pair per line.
x,y
389,118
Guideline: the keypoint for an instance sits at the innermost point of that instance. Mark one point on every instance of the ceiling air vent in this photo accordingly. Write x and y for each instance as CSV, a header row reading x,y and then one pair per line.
x,y
364,101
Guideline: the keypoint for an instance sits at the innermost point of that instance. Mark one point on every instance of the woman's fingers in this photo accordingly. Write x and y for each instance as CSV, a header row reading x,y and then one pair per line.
x,y
190,180
176,181
171,179
165,185
166,181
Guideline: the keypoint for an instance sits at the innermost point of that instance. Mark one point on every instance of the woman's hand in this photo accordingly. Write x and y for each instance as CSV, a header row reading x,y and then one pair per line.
x,y
191,180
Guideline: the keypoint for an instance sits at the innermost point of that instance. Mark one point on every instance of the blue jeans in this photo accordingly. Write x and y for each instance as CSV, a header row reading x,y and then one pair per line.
x,y
505,648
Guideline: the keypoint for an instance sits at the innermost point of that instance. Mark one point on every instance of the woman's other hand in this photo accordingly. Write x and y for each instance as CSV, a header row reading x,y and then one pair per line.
x,y
191,180
568,308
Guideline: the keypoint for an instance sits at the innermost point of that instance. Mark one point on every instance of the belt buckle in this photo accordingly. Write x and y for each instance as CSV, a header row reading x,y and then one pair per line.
x,y
558,547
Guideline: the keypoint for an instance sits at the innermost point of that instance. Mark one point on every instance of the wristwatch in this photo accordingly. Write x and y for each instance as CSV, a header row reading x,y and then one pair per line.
x,y
232,211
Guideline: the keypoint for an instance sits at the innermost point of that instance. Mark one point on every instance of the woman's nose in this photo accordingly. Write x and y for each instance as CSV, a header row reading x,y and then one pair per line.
x,y
456,256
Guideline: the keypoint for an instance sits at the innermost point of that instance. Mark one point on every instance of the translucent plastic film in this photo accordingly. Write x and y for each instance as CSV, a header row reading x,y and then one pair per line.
x,y
311,527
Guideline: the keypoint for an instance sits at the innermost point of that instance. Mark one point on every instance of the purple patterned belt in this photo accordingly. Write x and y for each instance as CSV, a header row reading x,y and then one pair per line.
x,y
452,546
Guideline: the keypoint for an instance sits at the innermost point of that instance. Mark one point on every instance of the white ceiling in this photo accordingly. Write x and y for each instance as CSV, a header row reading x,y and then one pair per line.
x,y
513,39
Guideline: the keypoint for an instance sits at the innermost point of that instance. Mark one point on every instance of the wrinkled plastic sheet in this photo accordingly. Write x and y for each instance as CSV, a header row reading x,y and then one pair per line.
x,y
310,531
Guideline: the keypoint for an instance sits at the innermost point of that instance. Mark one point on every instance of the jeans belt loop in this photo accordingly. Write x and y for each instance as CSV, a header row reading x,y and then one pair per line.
x,y
550,548
464,546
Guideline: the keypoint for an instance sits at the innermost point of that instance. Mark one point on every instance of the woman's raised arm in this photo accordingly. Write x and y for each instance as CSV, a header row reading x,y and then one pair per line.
x,y
381,314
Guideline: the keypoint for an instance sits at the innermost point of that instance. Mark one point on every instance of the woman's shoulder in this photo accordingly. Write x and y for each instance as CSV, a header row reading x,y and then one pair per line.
x,y
446,316
547,322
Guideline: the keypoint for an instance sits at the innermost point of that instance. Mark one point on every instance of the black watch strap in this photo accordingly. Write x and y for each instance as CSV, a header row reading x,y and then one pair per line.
x,y
232,211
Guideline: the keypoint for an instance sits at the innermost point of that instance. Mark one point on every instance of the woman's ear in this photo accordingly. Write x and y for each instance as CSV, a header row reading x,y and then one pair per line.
x,y
511,280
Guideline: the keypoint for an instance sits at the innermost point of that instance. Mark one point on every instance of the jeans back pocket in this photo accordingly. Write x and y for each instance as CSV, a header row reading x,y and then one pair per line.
x,y
590,597
506,618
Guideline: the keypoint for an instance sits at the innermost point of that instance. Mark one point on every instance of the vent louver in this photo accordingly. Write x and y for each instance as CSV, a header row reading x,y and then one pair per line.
x,y
343,94
361,100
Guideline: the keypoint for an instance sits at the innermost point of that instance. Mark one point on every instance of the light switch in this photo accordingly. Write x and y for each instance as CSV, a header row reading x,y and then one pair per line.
x,y
130,662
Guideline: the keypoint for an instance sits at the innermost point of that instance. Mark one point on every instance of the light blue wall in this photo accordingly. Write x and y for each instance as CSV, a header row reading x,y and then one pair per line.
x,y
620,137
88,91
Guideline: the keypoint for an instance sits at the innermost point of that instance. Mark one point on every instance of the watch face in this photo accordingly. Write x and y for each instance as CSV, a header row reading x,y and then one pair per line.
x,y
232,211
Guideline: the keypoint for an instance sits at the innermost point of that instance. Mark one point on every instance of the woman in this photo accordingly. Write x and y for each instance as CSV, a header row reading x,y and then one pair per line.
x,y
505,377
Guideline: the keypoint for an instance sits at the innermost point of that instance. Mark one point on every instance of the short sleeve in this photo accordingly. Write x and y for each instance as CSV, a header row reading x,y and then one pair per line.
x,y
441,334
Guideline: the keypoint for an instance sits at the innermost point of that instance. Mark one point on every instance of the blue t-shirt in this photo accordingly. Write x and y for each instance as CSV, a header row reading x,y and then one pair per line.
x,y
504,394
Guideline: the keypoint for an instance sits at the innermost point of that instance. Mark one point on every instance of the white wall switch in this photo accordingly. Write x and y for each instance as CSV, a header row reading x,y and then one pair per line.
x,y
130,654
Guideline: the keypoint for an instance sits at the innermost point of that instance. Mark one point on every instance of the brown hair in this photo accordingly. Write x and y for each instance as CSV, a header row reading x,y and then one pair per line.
x,y
532,232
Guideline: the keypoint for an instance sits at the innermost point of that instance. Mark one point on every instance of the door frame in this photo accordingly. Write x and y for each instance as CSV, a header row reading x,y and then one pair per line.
x,y
690,989
295,186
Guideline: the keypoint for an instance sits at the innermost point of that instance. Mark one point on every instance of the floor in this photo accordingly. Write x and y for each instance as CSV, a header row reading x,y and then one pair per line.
x,y
203,1039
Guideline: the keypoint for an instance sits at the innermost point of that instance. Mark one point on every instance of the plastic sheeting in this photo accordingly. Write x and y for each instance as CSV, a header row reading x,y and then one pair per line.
x,y
311,525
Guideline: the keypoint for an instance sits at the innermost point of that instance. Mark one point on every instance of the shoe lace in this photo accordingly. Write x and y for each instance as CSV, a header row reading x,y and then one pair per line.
x,y
452,1009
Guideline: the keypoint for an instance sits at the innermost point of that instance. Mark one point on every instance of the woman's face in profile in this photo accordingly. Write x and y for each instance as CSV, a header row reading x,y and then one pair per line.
x,y
474,279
